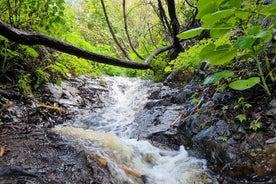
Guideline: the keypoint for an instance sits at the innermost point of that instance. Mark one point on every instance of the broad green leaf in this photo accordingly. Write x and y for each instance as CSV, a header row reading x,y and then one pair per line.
x,y
246,42
269,10
218,55
242,14
254,30
210,20
205,7
190,33
244,84
265,36
218,76
218,33
231,3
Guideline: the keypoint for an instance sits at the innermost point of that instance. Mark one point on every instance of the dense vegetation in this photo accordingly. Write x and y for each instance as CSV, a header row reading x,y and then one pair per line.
x,y
237,37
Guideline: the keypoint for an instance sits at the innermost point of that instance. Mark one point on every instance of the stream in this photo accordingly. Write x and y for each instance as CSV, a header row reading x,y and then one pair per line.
x,y
109,135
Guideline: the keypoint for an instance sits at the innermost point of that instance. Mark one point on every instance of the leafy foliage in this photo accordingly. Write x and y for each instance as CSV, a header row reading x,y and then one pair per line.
x,y
219,76
222,19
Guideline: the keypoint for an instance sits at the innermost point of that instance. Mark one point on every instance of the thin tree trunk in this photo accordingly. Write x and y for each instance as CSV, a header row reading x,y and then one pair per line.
x,y
28,38
126,29
175,28
163,17
112,32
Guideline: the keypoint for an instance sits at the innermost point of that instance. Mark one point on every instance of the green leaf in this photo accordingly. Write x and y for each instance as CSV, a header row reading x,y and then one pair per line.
x,y
205,7
269,10
246,42
218,33
231,3
244,84
30,51
241,117
218,55
190,33
242,14
2,38
218,76
254,30
210,20
265,36
168,69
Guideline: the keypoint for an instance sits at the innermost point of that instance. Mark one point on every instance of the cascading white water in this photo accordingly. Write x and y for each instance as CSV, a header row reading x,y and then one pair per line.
x,y
106,135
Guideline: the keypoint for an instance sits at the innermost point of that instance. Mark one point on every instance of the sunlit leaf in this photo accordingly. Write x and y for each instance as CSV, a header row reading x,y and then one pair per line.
x,y
30,51
217,33
269,10
264,36
218,76
218,55
211,19
241,117
244,84
168,69
231,3
246,42
190,33
206,7
241,14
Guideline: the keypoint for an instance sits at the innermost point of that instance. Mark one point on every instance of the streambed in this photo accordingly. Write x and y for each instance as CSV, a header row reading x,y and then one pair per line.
x,y
110,134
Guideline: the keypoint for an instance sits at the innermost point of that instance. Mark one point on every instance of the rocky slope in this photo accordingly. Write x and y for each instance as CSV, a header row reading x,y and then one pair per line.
x,y
202,118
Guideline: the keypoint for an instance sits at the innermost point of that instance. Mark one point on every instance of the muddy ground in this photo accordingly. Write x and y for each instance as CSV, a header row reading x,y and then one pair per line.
x,y
30,152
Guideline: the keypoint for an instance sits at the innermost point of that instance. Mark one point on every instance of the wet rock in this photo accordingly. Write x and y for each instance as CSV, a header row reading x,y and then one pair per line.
x,y
221,96
271,141
205,135
156,103
199,122
221,127
271,112
55,90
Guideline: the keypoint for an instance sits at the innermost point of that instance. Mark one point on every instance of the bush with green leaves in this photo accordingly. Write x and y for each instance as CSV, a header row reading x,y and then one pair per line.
x,y
249,27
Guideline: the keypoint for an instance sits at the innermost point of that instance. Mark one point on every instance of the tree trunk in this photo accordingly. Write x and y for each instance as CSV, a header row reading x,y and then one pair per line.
x,y
174,29
126,30
112,32
28,38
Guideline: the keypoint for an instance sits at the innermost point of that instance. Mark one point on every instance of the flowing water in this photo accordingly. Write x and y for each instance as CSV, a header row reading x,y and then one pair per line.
x,y
107,135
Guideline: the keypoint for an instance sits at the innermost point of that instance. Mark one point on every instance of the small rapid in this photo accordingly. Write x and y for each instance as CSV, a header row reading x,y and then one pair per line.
x,y
108,135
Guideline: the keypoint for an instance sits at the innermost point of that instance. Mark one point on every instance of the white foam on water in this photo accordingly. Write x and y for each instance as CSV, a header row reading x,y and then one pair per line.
x,y
157,165
106,134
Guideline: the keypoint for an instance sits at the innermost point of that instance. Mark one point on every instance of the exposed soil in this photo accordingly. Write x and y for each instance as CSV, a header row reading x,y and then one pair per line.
x,y
30,152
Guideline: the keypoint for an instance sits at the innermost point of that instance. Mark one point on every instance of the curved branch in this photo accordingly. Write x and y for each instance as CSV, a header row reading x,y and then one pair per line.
x,y
194,16
112,32
190,4
158,51
28,38
126,29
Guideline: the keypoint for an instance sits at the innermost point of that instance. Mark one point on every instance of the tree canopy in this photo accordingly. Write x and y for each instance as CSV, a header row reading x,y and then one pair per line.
x,y
163,36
